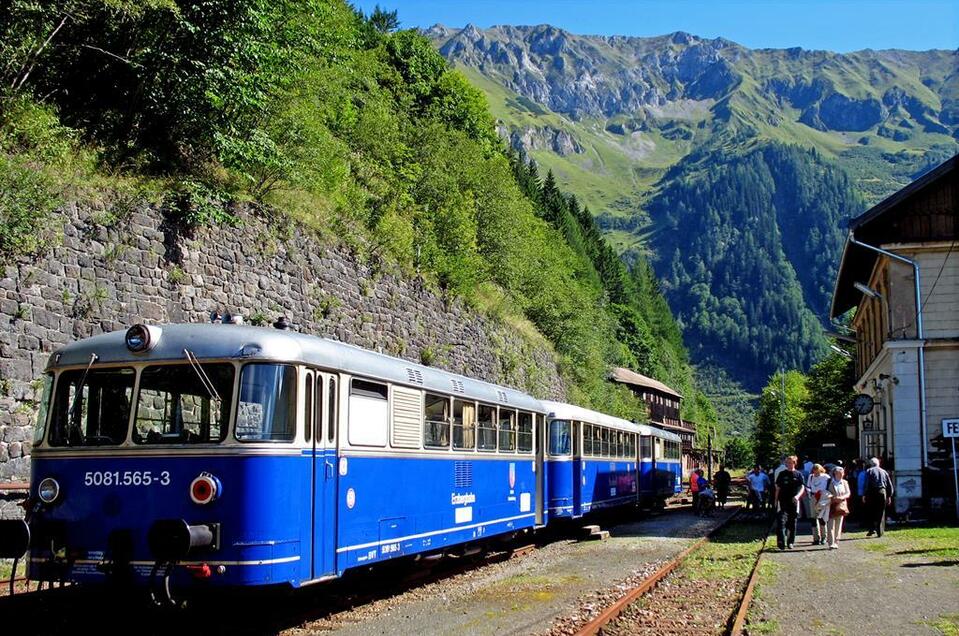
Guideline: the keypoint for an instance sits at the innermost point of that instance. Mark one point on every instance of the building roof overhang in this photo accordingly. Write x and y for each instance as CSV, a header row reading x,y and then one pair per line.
x,y
877,226
625,376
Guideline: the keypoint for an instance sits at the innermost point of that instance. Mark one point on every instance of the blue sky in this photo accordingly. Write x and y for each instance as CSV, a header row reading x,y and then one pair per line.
x,y
836,25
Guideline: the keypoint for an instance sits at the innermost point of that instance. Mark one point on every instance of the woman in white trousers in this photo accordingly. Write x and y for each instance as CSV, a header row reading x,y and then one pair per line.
x,y
838,490
818,500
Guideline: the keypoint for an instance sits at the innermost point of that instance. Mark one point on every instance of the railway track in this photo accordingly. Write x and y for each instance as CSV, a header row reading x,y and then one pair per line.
x,y
737,618
316,608
289,609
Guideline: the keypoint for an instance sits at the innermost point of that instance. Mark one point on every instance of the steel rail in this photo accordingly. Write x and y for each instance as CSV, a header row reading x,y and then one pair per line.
x,y
738,620
592,627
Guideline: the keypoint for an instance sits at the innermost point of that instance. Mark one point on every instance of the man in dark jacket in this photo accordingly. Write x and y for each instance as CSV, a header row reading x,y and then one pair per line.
x,y
789,491
722,479
877,496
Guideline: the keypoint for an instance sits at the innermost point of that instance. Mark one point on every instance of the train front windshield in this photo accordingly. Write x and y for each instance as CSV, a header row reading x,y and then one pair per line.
x,y
174,406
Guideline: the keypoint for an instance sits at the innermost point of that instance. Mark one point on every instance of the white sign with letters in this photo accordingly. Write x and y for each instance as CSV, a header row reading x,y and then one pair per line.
x,y
950,429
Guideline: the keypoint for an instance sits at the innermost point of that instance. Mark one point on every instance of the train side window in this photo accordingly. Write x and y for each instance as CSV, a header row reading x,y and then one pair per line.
x,y
604,439
645,447
524,434
369,408
464,425
308,392
507,430
331,408
587,440
317,422
436,421
267,407
559,438
487,427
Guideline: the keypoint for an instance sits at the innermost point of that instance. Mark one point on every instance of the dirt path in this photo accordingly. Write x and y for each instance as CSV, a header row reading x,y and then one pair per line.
x,y
900,584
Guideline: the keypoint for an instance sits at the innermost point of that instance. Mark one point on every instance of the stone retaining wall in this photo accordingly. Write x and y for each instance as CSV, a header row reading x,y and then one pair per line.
x,y
112,270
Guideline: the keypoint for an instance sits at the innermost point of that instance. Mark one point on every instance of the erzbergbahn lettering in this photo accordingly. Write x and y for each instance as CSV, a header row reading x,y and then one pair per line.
x,y
222,455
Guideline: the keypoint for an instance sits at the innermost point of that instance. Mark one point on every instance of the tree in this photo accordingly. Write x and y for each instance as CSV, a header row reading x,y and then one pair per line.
x,y
739,452
828,406
780,417
384,21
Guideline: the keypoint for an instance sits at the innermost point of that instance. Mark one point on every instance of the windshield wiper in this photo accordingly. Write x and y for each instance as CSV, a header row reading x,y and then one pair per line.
x,y
76,396
204,379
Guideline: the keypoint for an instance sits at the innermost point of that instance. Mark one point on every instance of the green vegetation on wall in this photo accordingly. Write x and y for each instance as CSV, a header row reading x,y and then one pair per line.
x,y
353,129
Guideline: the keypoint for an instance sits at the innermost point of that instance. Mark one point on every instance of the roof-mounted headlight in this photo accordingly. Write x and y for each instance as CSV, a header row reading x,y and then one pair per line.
x,y
48,490
142,338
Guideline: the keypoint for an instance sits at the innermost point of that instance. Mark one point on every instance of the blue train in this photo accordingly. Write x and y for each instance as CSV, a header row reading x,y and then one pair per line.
x,y
204,456
597,461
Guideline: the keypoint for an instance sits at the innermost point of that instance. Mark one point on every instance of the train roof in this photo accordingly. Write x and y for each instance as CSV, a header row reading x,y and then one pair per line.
x,y
563,411
215,341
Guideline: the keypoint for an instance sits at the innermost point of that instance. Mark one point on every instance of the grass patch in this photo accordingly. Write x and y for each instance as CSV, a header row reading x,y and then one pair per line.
x,y
6,565
946,624
937,541
730,555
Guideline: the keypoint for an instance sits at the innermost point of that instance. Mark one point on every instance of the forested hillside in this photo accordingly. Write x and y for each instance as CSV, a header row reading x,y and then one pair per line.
x,y
318,115
749,246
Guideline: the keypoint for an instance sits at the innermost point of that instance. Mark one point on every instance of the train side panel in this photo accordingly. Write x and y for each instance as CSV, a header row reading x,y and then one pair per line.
x,y
391,506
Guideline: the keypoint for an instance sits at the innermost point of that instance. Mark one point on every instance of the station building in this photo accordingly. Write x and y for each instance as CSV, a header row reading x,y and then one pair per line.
x,y
663,405
900,272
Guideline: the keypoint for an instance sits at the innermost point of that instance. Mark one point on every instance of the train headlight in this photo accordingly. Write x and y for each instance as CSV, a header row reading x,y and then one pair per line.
x,y
204,489
142,338
49,490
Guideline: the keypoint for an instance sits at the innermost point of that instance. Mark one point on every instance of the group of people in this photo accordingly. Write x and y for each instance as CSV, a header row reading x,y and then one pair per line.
x,y
705,495
823,495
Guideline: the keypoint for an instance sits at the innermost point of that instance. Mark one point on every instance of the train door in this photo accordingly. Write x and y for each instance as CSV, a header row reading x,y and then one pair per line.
x,y
324,476
579,468
646,464
540,441
658,464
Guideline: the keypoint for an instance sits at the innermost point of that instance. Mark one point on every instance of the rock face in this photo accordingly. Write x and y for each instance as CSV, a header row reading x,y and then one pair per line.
x,y
145,269
559,141
602,77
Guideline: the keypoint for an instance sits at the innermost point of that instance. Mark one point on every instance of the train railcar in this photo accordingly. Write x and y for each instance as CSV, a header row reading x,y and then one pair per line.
x,y
224,455
660,469
591,461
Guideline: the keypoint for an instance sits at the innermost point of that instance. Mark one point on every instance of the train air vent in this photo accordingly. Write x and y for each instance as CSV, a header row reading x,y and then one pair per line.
x,y
414,375
458,386
502,396
462,474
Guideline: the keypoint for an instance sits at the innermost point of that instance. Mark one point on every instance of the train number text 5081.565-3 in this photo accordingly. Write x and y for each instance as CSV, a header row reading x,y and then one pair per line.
x,y
126,478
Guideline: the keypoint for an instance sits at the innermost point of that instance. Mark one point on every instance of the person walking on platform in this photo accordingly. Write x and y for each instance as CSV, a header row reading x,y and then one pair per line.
x,y
838,492
721,479
758,484
818,502
789,491
879,492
